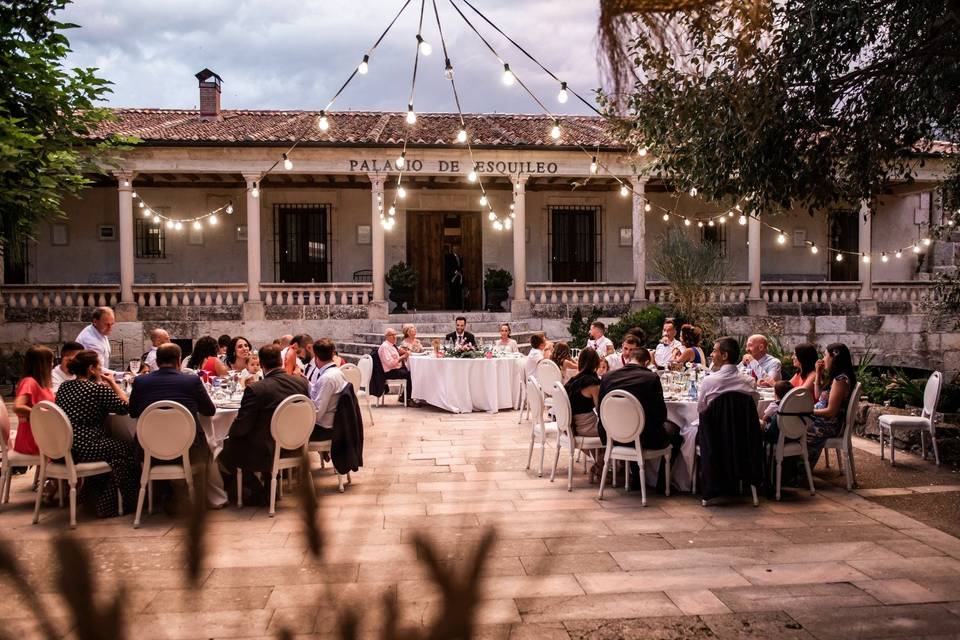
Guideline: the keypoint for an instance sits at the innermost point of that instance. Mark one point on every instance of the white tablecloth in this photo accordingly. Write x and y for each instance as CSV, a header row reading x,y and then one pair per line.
x,y
216,428
463,385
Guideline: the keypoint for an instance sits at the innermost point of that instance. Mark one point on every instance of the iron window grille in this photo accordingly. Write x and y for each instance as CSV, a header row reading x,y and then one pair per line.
x,y
151,240
302,241
716,234
575,243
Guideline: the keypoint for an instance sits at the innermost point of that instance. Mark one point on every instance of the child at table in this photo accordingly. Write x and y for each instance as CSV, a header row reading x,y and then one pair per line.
x,y
771,433
253,372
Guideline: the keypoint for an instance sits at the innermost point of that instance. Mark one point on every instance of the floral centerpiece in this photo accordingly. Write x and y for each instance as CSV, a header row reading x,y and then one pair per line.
x,y
466,351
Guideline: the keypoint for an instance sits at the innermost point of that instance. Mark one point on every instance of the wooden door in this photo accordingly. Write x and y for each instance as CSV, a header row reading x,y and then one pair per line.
x,y
425,254
471,233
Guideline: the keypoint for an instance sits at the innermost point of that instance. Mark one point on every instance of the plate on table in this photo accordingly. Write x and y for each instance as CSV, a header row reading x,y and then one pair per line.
x,y
229,405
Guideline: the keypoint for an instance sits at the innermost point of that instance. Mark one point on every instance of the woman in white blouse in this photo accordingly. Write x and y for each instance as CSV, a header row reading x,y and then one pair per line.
x,y
506,343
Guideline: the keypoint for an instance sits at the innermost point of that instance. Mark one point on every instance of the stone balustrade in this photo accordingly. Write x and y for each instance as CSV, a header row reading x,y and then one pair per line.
x,y
580,293
809,292
190,295
45,296
316,294
904,291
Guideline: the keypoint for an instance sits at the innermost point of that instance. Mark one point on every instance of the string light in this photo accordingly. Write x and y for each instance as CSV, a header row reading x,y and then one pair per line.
x,y
686,222
898,254
563,96
666,217
411,116
425,47
197,225
624,191
364,65
723,220
926,242
178,225
555,132
322,123
229,209
141,204
156,219
472,176
710,224
781,238
916,248
401,193
508,77
462,135
448,70
813,248
700,224
839,257
169,224
287,163
483,201
498,225
593,165
883,257
742,219
255,192
507,224
392,210
492,216
213,219
147,213
642,152
693,192
647,207
866,259
402,160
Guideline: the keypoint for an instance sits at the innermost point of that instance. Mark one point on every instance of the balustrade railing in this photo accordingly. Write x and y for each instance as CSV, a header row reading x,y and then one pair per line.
x,y
41,296
316,294
800,292
189,295
580,292
905,291
723,293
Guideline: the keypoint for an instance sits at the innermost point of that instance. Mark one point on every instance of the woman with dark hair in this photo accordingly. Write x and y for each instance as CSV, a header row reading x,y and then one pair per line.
x,y
203,358
690,337
506,343
834,381
237,353
583,389
563,357
33,387
805,360
87,400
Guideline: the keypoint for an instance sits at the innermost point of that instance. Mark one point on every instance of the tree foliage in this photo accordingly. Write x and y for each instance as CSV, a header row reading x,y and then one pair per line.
x,y
47,114
696,272
806,103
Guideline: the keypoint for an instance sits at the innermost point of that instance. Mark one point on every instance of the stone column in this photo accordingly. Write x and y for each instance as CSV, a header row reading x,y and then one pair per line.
x,y
868,306
379,307
639,224
126,309
755,304
520,305
253,307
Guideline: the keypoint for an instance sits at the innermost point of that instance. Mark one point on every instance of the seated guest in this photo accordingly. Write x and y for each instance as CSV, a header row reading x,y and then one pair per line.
x,y
253,373
805,360
617,360
168,383
223,343
203,359
60,372
325,387
393,359
535,355
768,422
461,337
238,351
157,338
763,366
563,358
506,343
668,347
599,342
583,389
250,446
284,341
87,400
33,387
602,368
725,376
410,342
297,354
836,377
691,352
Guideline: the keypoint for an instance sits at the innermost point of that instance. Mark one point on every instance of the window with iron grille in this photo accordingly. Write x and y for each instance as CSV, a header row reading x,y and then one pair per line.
x,y
716,234
575,243
150,239
302,237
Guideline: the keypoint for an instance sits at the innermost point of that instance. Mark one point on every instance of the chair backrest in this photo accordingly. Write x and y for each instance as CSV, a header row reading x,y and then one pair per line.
x,y
797,401
51,429
561,408
931,394
548,374
622,416
353,375
166,429
851,415
535,399
293,421
365,364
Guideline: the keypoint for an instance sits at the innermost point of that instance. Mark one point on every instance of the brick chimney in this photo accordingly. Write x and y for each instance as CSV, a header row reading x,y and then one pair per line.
x,y
209,94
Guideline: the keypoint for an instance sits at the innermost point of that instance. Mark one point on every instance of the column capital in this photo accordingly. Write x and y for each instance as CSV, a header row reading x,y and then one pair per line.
x,y
124,180
520,183
377,180
639,183
251,179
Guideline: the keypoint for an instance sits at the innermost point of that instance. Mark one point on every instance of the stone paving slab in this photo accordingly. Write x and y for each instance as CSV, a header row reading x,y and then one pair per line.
x,y
564,565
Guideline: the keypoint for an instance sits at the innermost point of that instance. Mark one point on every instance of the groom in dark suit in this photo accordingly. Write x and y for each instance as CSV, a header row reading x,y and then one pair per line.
x,y
453,275
461,336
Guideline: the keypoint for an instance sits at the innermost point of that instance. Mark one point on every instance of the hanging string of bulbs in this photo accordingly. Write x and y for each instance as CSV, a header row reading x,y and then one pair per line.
x,y
178,224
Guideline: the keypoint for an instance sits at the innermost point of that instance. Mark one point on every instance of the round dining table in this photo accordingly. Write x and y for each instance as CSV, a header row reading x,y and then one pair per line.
x,y
462,385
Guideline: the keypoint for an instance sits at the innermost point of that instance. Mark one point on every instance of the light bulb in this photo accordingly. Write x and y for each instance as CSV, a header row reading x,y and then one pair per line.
x,y
402,160
508,77
693,192
926,242
723,220
647,207
916,248
147,213
898,254
287,163
364,65
781,239
951,222
866,259
142,205
729,214
686,222
448,70
322,123
498,225
214,219
562,97
813,249
229,209
126,183
255,192
742,219
492,216
425,47
513,215
133,194
666,217
512,206
401,193
883,257
156,219
197,225
462,135
169,224
711,223
642,152
178,226
700,224
555,132
624,191
411,116
483,201
392,210
508,223
593,165
839,257
472,176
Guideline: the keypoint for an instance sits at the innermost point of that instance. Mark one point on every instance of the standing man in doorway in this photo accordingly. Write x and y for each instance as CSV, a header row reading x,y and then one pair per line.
x,y
453,276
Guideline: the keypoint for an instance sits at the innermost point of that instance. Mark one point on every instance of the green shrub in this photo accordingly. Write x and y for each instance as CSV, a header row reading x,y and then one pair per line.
x,y
650,319
580,327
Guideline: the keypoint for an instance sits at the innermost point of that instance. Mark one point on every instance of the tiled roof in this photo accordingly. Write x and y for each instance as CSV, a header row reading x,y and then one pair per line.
x,y
267,128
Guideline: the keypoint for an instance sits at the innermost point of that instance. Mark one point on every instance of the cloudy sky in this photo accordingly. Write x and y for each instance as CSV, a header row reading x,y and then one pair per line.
x,y
281,54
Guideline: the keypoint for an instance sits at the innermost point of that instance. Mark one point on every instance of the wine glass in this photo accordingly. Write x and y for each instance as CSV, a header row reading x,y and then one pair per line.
x,y
135,367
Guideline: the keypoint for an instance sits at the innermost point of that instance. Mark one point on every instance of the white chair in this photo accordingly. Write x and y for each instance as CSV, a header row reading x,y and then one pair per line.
x,y
623,420
565,437
792,419
354,376
8,460
842,444
539,429
365,364
925,423
290,427
548,375
54,435
165,430
524,402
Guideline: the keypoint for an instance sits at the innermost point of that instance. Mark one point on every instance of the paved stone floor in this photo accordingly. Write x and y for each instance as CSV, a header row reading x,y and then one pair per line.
x,y
837,565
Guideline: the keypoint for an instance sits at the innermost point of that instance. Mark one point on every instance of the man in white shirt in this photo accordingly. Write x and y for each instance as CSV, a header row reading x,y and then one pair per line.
x,y
537,342
763,366
725,376
668,345
618,360
95,336
60,373
599,342
327,384
157,338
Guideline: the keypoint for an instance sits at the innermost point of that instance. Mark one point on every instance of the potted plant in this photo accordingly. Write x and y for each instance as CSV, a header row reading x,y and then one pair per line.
x,y
402,279
496,282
